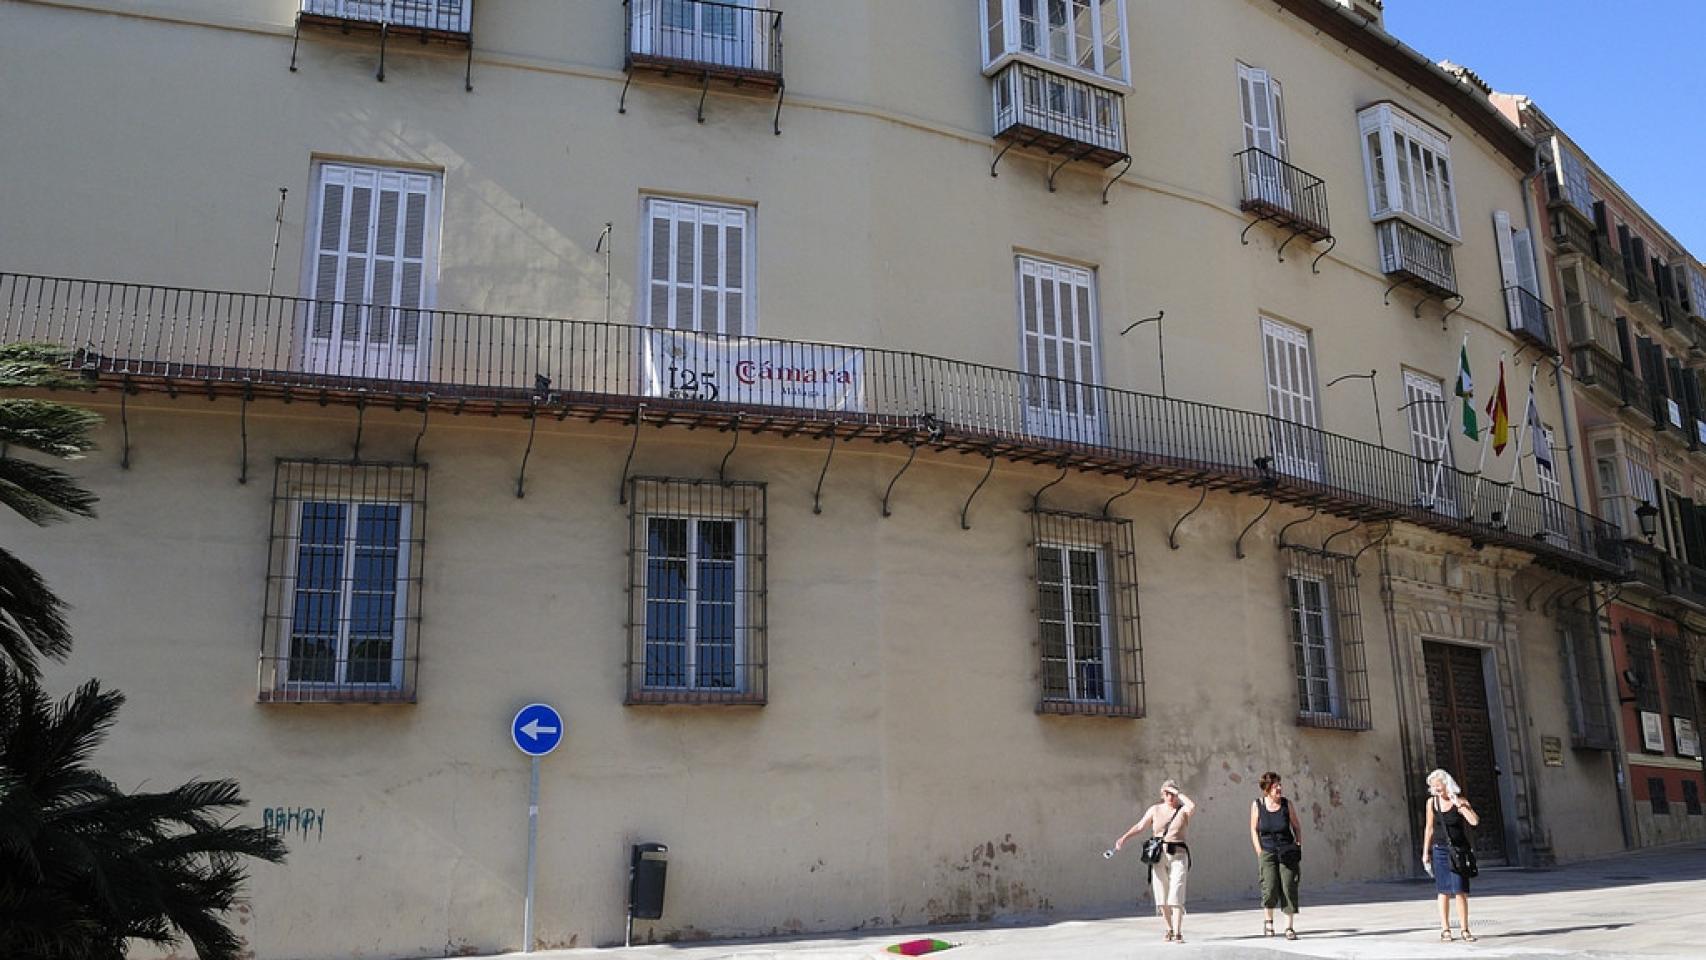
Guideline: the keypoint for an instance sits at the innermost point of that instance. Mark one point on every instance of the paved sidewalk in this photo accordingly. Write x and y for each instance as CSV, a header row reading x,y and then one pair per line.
x,y
1647,904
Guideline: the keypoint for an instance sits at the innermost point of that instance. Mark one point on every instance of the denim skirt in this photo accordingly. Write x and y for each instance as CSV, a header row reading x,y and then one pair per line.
x,y
1447,882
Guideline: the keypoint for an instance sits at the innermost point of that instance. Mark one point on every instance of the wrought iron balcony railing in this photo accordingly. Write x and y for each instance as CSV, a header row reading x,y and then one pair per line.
x,y
1290,196
166,338
701,37
1595,367
440,16
1415,256
1590,326
1606,255
1530,318
1640,285
1050,111
1570,232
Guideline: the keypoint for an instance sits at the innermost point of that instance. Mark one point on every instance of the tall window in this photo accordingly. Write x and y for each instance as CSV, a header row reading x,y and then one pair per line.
x,y
1551,491
1326,640
696,592
1591,725
343,602
1289,363
1408,167
373,238
1570,176
1263,109
1091,661
698,267
1430,441
1082,35
1057,320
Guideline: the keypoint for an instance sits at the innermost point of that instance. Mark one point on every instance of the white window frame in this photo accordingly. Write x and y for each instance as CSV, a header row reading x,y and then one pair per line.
x,y
451,16
1571,175
746,217
1288,365
1394,144
1304,644
690,665
1067,405
346,588
1258,88
1430,421
1070,623
1001,20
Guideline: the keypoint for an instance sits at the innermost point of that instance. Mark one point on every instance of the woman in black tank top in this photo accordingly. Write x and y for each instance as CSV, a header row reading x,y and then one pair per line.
x,y
1449,818
1277,838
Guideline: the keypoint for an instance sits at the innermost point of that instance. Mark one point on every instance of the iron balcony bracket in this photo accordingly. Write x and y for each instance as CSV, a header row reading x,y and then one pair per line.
x,y
622,104
1315,265
1295,233
1238,545
1372,543
964,523
817,495
1244,235
704,88
1037,498
360,424
426,405
1109,505
384,34
722,468
1327,543
1387,298
468,74
243,430
532,425
1071,158
912,452
1173,534
1313,511
776,123
1110,184
998,157
622,490
124,421
1456,307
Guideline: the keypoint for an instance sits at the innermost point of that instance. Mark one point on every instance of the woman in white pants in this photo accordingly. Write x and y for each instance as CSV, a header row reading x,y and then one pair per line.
x,y
1168,821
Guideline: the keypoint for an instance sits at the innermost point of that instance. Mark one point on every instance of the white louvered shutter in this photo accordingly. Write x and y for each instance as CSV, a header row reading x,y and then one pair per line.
x,y
697,267
1057,315
372,247
329,249
1430,434
1290,368
1256,102
1522,242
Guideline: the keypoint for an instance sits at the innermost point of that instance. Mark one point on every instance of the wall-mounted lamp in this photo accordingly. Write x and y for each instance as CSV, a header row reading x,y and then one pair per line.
x,y
1647,516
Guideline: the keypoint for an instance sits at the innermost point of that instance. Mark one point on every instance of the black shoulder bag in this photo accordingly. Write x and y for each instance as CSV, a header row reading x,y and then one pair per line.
x,y
1151,852
1288,852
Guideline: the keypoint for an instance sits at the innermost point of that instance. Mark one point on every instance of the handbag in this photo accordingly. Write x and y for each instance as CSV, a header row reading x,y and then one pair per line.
x,y
1463,861
1291,855
1151,852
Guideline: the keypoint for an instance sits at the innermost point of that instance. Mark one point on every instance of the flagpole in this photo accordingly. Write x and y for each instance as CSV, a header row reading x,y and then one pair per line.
x,y
1516,465
1445,449
1486,435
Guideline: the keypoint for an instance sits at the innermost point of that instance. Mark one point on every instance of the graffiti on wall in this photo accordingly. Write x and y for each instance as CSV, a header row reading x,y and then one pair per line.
x,y
295,821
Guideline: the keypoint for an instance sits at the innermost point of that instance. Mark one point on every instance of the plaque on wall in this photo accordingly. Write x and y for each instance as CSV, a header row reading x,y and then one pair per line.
x,y
1652,732
1552,751
1687,738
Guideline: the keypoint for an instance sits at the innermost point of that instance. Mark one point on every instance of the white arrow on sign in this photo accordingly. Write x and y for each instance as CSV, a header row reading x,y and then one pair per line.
x,y
533,729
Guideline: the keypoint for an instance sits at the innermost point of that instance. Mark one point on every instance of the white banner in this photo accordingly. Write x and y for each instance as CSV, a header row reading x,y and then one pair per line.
x,y
692,366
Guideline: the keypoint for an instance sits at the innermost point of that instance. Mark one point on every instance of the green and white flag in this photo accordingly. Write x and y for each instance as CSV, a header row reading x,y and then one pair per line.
x,y
1465,389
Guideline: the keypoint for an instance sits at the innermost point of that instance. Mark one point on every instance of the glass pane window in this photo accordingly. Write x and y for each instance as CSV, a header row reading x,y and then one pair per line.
x,y
346,600
1313,646
1084,35
1072,611
692,603
1408,166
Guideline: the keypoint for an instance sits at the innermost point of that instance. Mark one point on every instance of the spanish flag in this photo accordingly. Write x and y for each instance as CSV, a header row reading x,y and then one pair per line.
x,y
1500,411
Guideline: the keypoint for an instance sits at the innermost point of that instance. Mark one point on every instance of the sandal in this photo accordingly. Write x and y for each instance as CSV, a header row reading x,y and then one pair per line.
x,y
1168,936
1290,934
1445,934
1179,937
1267,928
1470,937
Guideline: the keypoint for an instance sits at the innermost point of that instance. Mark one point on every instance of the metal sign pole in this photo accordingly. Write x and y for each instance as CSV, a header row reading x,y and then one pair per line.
x,y
532,866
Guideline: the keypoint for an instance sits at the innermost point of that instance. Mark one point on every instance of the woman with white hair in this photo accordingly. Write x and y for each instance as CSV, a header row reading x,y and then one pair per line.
x,y
1449,818
1168,819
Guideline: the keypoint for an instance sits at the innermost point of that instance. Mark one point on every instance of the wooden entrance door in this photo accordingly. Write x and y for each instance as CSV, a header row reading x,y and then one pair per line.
x,y
1463,737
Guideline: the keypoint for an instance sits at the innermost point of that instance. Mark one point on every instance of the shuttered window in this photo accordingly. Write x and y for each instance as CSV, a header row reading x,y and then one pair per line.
x,y
373,239
699,266
1430,439
1057,319
1263,109
1290,368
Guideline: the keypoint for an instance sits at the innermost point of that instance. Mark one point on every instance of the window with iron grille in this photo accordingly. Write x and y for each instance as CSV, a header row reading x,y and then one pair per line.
x,y
1584,684
1656,795
1642,677
1691,797
696,592
343,599
1089,635
1326,640
1679,686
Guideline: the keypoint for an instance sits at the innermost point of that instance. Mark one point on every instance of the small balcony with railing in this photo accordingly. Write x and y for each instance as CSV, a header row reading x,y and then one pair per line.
x,y
1607,257
131,337
1530,318
1570,232
1290,197
1597,368
428,21
738,45
1064,116
1409,255
1640,286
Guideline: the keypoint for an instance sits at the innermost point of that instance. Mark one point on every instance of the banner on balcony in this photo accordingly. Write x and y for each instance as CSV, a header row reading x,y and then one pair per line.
x,y
690,366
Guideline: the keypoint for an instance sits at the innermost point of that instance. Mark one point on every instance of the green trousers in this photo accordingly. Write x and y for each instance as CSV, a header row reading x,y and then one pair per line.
x,y
1279,883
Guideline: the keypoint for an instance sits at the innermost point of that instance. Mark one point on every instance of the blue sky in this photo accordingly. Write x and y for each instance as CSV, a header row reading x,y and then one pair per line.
x,y
1615,74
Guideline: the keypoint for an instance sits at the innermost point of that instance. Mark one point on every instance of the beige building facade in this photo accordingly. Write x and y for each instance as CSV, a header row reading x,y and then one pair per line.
x,y
959,420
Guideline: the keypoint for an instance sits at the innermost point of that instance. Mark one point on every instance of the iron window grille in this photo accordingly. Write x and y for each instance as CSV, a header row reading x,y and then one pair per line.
x,y
1691,797
1089,634
1325,620
1584,683
696,592
1656,795
1642,675
1679,686
343,598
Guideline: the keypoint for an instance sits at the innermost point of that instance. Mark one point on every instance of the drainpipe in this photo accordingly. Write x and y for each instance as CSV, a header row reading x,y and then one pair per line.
x,y
1566,411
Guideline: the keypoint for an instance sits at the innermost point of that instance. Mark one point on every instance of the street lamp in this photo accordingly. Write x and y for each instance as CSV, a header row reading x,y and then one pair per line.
x,y
1647,516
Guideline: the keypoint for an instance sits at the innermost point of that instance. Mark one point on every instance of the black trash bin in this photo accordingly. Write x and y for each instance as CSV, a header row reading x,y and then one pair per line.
x,y
646,870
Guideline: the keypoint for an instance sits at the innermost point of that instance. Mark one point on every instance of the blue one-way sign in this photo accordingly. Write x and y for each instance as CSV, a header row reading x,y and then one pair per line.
x,y
536,729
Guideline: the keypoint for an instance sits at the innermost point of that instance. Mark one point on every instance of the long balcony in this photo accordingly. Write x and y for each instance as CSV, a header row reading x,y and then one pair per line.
x,y
1289,196
703,39
1049,111
1409,254
141,337
1662,573
1530,318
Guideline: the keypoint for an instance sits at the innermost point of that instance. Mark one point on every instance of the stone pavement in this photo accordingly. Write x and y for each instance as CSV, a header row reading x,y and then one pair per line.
x,y
1645,904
